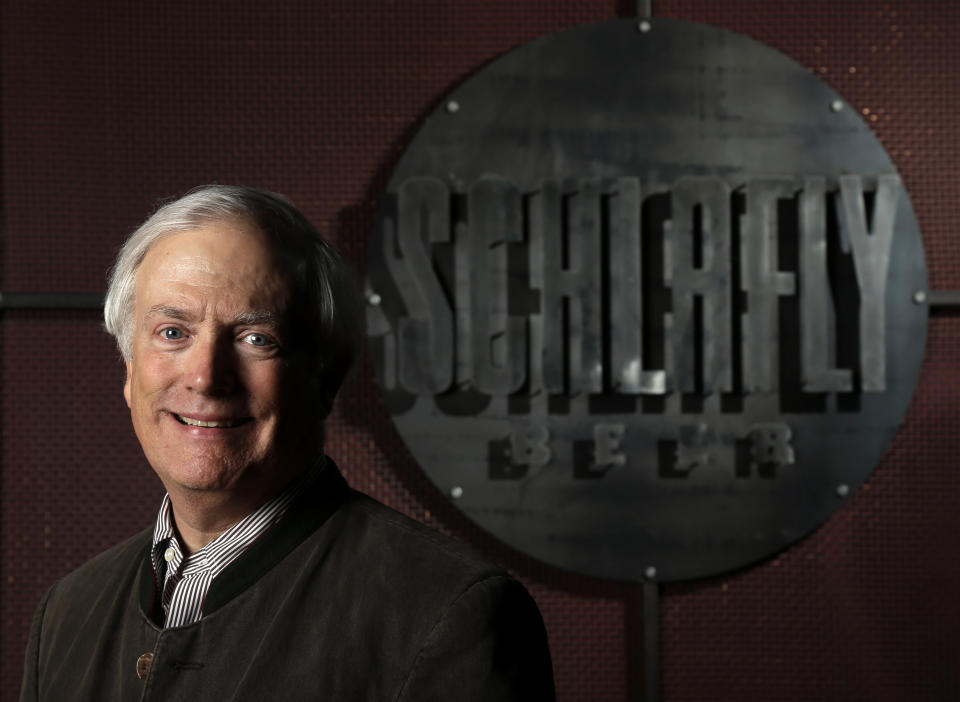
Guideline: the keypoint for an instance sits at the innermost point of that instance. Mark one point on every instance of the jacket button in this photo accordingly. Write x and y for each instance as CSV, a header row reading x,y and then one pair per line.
x,y
143,665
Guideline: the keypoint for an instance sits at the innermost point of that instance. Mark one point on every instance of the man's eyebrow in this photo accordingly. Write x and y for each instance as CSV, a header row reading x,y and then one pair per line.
x,y
168,311
252,317
259,319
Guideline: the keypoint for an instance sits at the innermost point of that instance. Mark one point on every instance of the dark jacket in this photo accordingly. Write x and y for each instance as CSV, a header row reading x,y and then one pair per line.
x,y
344,599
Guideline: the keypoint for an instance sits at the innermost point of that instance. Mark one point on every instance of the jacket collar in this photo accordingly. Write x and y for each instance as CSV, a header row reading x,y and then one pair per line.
x,y
303,518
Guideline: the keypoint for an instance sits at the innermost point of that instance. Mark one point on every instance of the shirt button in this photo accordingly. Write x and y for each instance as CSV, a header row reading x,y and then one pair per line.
x,y
169,554
143,665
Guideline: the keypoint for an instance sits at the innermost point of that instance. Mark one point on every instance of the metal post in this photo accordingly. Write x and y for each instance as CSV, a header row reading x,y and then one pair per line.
x,y
651,641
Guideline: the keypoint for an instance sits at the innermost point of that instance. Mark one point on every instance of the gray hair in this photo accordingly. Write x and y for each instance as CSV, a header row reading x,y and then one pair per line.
x,y
332,313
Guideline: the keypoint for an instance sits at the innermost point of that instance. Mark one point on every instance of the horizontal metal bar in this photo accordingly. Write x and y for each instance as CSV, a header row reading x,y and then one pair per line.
x,y
51,301
943,298
94,301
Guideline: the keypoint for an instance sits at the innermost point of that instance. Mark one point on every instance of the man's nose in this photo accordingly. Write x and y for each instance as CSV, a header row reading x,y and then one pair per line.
x,y
211,366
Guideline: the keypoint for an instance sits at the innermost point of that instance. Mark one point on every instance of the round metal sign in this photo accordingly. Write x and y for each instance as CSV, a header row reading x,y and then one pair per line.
x,y
645,303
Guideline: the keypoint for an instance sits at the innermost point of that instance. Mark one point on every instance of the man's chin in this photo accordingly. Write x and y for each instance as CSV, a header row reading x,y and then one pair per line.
x,y
202,476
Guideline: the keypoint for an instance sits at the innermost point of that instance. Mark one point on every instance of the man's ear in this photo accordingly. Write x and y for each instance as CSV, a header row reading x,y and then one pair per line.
x,y
126,385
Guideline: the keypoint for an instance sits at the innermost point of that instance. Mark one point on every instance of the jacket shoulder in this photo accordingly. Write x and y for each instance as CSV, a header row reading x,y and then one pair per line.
x,y
116,563
403,539
473,630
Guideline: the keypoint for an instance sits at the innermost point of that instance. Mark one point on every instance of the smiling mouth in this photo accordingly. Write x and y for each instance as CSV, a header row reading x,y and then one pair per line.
x,y
217,424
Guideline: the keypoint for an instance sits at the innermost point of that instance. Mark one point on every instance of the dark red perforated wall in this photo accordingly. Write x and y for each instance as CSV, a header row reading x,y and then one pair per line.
x,y
108,105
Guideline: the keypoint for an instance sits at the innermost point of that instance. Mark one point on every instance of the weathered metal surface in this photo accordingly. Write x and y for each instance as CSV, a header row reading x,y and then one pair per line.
x,y
647,300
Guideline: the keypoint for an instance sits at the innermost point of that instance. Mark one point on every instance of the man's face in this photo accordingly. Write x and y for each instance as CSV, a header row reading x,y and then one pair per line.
x,y
212,384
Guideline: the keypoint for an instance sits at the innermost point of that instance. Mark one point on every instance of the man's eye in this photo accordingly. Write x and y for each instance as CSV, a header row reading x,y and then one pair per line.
x,y
256,339
172,334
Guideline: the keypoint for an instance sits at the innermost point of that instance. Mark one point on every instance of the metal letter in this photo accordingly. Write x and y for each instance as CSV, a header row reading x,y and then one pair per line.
x,y
626,297
530,445
710,281
770,445
762,282
426,336
693,447
871,259
499,356
577,284
817,340
606,446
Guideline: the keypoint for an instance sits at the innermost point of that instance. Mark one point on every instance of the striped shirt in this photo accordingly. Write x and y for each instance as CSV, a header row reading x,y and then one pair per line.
x,y
187,579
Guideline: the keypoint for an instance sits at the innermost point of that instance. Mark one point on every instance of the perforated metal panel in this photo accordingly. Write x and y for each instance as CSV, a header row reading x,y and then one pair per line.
x,y
109,106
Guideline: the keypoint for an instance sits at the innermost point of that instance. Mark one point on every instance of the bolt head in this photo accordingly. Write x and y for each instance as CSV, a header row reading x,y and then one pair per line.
x,y
836,105
373,299
650,573
453,106
456,492
919,297
843,490
644,25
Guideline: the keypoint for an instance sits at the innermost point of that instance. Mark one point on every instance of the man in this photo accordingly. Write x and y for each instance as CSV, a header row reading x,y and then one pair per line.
x,y
264,576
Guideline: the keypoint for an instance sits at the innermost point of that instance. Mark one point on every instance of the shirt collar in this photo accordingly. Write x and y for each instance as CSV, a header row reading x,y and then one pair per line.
x,y
167,553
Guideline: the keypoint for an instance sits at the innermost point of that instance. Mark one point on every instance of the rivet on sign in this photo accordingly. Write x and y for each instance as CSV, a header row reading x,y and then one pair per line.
x,y
843,490
373,299
456,492
836,105
919,297
644,26
650,573
453,106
